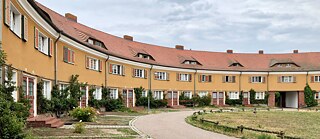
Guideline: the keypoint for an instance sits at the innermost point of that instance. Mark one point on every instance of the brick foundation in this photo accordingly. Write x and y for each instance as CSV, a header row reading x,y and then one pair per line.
x,y
271,99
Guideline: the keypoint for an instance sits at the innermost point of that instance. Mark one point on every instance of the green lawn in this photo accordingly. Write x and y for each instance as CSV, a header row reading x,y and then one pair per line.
x,y
296,124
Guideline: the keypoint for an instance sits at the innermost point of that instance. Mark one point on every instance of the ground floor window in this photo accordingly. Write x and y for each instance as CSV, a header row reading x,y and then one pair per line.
x,y
214,95
63,87
259,95
144,93
233,95
47,89
187,94
202,94
317,95
158,95
114,93
97,93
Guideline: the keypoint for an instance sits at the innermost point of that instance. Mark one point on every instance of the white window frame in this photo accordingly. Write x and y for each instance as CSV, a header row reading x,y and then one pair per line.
x,y
63,86
93,63
43,45
139,73
144,93
158,95
259,95
90,41
203,93
317,79
47,89
184,77
187,94
161,75
234,95
256,79
116,69
114,93
287,79
15,20
98,93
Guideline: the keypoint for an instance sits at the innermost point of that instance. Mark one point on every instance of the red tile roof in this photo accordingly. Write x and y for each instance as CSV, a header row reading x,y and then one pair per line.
x,y
171,57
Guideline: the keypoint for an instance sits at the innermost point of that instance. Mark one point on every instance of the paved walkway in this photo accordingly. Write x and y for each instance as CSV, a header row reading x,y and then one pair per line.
x,y
172,125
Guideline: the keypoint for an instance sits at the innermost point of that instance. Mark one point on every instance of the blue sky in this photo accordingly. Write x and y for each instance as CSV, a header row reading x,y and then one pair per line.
x,y
275,26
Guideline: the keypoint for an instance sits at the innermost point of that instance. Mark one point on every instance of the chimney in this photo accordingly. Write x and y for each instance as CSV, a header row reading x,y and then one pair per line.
x,y
229,51
260,51
127,37
295,51
180,47
71,17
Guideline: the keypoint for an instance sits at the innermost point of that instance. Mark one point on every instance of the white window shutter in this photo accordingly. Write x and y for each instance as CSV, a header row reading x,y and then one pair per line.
x,y
7,12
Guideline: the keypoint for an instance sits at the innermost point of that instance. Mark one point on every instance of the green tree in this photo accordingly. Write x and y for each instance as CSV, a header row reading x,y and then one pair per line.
x,y
309,97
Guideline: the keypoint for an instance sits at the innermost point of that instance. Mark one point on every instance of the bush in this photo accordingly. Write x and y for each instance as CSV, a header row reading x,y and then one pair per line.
x,y
143,101
201,101
112,104
309,97
253,99
234,102
79,127
87,114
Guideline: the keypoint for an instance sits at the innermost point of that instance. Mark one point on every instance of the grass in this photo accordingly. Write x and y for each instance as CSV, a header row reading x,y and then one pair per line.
x,y
56,132
296,124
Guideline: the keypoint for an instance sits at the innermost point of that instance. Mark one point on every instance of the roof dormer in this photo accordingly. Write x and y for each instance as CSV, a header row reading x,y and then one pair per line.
x,y
285,63
144,56
191,62
96,42
235,64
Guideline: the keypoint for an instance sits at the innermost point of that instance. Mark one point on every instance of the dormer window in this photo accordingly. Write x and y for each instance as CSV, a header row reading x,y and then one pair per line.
x,y
235,65
145,56
189,62
95,42
285,65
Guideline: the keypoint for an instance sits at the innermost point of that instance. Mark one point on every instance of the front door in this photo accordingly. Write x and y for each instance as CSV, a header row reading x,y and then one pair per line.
x,y
28,91
172,98
128,96
83,99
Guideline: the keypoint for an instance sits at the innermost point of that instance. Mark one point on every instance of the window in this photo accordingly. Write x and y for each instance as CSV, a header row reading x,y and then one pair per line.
x,y
145,56
317,95
117,69
257,79
95,42
233,95
28,86
221,95
214,95
229,79
259,95
63,87
316,78
15,20
190,62
139,73
287,79
47,89
288,65
184,77
187,94
93,64
202,94
43,45
158,95
235,65
68,55
90,41
161,76
114,93
144,93
205,78
98,93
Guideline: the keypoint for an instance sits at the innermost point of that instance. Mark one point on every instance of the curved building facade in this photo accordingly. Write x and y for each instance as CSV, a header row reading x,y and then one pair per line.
x,y
42,45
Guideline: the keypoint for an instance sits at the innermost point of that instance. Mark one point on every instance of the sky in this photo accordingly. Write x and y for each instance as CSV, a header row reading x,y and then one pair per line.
x,y
246,26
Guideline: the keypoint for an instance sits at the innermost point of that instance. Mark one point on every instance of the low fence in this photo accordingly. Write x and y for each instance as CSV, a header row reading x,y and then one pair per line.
x,y
240,128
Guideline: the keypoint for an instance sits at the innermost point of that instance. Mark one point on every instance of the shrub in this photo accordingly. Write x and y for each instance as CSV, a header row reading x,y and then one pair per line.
x,y
143,101
79,127
234,102
309,97
253,99
265,136
112,104
87,114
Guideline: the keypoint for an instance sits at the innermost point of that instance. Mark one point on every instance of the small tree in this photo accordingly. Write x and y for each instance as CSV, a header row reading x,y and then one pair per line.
x,y
138,92
309,97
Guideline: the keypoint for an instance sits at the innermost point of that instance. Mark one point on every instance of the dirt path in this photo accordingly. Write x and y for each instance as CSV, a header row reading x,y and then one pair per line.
x,y
172,125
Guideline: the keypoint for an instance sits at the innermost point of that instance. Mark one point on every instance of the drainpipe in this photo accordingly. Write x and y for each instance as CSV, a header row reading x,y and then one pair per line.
x,y
194,79
240,82
56,58
106,72
150,72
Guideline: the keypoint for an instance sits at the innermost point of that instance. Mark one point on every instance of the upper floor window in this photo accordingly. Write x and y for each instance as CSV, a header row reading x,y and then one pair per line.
x,y
43,45
93,63
257,79
315,78
161,76
68,55
229,79
205,78
259,95
233,95
15,20
117,69
139,73
287,79
184,77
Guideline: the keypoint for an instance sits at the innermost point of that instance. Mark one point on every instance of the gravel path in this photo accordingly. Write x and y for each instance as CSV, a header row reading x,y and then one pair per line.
x,y
172,125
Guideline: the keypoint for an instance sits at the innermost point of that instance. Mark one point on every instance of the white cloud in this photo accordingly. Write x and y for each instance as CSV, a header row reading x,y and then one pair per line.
x,y
214,25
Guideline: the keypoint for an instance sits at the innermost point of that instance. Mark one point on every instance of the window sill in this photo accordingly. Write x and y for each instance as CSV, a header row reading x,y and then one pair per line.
x,y
68,63
15,33
139,77
161,80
